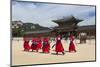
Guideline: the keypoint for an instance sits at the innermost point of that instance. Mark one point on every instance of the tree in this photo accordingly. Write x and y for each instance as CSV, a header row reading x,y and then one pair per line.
x,y
17,32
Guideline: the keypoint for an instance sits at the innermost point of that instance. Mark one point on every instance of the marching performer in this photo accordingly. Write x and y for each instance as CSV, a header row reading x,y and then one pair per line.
x,y
46,45
39,43
72,45
34,45
58,45
26,44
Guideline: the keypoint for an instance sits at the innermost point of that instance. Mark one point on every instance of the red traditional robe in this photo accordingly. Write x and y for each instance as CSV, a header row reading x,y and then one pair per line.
x,y
46,46
59,46
34,45
72,45
39,44
26,46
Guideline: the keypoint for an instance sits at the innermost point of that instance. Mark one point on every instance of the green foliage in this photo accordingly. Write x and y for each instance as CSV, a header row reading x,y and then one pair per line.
x,y
26,27
17,32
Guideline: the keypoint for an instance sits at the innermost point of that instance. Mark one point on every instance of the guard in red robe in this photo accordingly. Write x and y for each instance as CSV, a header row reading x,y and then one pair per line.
x,y
72,45
39,43
34,45
26,45
59,46
46,45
